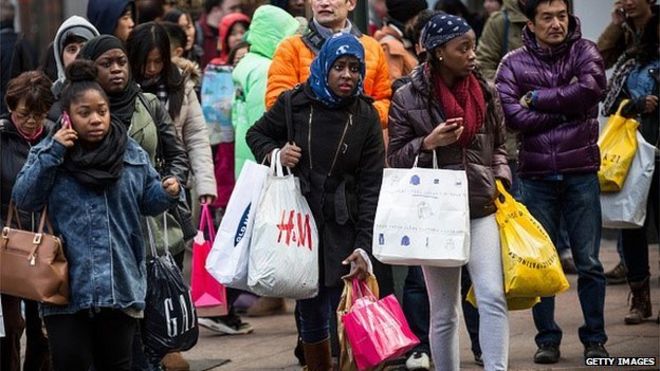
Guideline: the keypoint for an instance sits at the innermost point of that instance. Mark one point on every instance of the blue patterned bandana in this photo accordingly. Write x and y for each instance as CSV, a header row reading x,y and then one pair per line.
x,y
441,28
337,46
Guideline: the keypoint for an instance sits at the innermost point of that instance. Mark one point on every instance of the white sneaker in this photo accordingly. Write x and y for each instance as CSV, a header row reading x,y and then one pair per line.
x,y
418,361
223,328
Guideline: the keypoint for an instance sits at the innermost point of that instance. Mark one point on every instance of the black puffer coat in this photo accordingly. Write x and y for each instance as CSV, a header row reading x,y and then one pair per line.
x,y
343,199
14,151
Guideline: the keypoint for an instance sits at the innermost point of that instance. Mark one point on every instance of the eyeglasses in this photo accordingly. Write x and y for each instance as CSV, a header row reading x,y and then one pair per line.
x,y
25,116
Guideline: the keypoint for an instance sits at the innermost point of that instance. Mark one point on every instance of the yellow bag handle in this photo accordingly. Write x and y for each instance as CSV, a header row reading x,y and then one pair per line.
x,y
508,199
621,105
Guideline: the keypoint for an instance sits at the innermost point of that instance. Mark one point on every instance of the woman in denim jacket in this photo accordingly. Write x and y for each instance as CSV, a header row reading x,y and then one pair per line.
x,y
96,182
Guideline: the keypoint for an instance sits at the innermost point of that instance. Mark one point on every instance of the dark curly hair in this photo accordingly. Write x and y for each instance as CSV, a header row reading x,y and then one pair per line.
x,y
81,76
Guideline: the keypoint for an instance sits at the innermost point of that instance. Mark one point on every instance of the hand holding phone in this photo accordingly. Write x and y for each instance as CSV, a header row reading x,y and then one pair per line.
x,y
618,14
444,134
66,120
455,122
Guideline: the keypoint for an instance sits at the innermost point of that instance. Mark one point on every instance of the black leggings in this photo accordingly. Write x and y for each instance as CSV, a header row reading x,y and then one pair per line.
x,y
104,340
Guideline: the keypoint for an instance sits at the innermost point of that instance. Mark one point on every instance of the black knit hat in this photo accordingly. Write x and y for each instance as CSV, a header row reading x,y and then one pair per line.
x,y
404,10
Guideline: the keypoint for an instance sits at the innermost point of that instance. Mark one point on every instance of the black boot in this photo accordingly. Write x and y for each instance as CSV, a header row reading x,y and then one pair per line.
x,y
640,307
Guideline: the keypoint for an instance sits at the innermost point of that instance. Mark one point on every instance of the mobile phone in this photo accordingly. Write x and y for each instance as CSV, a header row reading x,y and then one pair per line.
x,y
622,12
458,121
66,120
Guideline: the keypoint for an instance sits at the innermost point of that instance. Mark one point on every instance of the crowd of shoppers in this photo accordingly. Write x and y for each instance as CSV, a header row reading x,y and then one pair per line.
x,y
111,135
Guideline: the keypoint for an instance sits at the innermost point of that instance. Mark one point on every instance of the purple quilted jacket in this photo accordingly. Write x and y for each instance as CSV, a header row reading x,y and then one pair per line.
x,y
559,132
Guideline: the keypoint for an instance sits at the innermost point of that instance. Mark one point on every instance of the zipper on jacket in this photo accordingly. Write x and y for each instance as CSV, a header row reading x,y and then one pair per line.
x,y
349,122
309,138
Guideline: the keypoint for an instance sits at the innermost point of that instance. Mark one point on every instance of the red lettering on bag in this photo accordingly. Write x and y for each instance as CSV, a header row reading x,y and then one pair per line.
x,y
285,227
304,232
301,236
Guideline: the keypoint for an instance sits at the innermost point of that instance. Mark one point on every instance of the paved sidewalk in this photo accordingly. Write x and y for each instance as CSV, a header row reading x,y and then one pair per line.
x,y
270,347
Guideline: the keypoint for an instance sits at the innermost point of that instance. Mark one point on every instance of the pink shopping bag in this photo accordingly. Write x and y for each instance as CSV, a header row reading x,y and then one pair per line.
x,y
209,296
376,329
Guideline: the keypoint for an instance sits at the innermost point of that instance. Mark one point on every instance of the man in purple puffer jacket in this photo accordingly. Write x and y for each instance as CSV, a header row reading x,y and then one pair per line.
x,y
550,90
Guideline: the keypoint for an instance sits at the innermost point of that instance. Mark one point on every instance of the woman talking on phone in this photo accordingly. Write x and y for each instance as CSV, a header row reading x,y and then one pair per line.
x,y
447,110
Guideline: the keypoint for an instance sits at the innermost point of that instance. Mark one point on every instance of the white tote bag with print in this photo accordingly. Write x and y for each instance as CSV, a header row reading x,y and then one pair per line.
x,y
284,246
423,217
627,208
228,260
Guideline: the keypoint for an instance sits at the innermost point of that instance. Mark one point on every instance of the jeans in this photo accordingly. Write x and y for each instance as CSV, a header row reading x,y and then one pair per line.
x,y
577,198
101,339
416,307
563,246
470,313
315,314
633,241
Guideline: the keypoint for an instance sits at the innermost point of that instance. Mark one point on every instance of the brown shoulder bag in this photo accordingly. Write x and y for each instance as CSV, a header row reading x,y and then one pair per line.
x,y
33,265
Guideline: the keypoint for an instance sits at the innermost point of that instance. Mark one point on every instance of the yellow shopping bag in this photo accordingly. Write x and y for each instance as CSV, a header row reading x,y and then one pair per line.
x,y
618,144
511,303
346,360
530,262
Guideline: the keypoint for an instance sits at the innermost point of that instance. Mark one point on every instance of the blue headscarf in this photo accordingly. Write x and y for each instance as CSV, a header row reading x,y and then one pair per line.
x,y
337,46
441,28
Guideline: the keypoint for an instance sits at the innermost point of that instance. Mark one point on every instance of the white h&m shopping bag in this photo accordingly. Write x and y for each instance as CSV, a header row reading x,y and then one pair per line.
x,y
423,217
284,246
627,208
228,260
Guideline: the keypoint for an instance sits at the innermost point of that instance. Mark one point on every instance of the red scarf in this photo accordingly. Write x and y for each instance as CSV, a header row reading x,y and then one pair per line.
x,y
466,100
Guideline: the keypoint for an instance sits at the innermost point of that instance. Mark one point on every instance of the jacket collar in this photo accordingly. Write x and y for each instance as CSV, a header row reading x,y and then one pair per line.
x,y
314,38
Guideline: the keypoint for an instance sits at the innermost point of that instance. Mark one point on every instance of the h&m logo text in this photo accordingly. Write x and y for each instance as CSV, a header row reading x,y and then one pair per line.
x,y
295,228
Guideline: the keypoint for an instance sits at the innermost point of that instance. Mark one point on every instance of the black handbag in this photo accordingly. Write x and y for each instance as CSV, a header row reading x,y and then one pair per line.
x,y
170,319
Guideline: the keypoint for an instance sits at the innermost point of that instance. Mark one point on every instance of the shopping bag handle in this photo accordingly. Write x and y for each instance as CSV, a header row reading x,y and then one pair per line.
x,y
361,290
621,106
435,160
206,221
276,167
503,193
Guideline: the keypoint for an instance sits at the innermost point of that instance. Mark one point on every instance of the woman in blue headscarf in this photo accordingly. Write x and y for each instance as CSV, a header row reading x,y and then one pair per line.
x,y
336,149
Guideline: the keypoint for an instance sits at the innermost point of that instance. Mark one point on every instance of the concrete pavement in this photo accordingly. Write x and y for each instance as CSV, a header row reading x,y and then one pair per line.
x,y
271,345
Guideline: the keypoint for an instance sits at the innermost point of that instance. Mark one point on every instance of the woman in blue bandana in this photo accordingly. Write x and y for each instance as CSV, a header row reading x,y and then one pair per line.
x,y
336,149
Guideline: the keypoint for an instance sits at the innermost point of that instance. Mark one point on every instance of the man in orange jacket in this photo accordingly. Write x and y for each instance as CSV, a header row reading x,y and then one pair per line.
x,y
294,55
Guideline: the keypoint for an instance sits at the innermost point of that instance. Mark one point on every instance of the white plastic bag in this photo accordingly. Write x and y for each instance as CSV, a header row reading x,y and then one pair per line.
x,y
228,260
284,246
627,208
423,217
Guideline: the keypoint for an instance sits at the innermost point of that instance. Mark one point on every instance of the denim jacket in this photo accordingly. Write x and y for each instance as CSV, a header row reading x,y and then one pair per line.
x,y
101,230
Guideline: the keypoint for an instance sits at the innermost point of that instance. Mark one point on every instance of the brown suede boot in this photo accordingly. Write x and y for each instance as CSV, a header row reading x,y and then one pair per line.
x,y
175,362
318,356
641,302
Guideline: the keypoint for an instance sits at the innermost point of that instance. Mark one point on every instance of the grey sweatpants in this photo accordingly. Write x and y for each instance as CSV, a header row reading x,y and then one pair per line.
x,y
443,285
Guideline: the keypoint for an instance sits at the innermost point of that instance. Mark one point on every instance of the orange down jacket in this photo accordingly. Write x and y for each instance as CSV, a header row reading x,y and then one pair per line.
x,y
293,58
